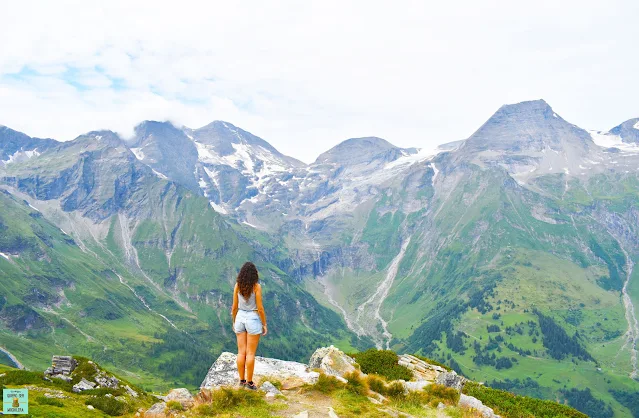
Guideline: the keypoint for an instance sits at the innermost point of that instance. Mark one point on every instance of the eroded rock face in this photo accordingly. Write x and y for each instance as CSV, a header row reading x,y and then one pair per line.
x,y
332,361
83,385
421,369
471,402
451,380
292,374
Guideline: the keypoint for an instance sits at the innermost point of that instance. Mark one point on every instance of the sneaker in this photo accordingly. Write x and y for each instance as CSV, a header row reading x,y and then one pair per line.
x,y
242,383
251,386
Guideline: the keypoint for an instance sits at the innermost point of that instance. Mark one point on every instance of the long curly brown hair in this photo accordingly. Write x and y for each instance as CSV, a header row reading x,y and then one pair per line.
x,y
246,279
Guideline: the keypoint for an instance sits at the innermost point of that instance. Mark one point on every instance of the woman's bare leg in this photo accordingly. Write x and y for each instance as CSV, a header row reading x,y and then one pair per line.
x,y
251,347
241,354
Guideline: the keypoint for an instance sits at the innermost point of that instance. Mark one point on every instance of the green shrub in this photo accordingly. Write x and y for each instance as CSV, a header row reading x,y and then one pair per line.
x,y
109,406
383,363
376,384
509,405
43,400
226,398
327,384
174,406
440,393
395,390
356,383
103,391
21,377
83,369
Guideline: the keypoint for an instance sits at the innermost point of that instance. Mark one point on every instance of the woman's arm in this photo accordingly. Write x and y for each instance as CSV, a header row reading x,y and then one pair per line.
x,y
260,307
235,302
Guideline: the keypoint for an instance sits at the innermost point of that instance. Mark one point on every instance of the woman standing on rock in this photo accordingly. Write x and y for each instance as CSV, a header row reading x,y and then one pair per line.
x,y
249,321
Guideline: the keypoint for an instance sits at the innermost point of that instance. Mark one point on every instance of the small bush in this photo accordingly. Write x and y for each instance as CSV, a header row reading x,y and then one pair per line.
x,y
509,405
43,400
376,384
440,393
104,391
109,406
225,399
356,383
21,377
383,363
327,384
174,406
395,390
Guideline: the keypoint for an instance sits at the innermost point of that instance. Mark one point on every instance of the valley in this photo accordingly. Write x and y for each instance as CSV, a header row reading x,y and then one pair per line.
x,y
509,256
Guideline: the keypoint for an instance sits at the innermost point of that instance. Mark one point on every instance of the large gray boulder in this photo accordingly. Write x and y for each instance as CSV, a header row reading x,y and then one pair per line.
x,y
332,361
451,380
292,374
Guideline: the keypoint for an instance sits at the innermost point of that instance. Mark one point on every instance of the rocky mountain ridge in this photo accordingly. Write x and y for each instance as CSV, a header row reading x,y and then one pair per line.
x,y
513,250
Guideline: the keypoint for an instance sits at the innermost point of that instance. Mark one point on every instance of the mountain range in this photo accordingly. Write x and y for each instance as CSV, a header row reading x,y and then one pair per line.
x,y
508,255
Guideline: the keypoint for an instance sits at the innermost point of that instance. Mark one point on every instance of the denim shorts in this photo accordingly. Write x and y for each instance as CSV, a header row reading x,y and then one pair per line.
x,y
247,321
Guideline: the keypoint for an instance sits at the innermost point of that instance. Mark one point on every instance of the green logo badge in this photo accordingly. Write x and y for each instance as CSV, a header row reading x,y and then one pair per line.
x,y
15,401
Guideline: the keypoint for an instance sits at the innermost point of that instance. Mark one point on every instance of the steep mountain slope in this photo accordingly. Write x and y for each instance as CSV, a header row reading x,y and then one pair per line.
x,y
144,280
513,250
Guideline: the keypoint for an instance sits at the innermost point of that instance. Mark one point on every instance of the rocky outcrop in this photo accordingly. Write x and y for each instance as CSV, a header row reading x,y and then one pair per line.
x,y
83,385
451,380
292,374
474,403
61,366
332,361
421,369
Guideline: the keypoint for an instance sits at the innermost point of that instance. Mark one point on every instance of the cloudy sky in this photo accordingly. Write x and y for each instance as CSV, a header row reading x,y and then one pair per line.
x,y
306,75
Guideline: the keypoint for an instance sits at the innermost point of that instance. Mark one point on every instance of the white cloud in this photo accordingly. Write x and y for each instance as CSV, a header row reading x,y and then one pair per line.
x,y
306,75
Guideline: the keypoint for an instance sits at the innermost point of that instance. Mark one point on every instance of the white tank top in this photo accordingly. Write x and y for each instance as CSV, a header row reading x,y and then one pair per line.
x,y
247,304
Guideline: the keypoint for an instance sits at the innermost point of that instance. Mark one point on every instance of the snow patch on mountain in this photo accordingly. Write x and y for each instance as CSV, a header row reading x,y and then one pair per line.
x,y
218,208
138,153
636,126
21,155
160,175
608,140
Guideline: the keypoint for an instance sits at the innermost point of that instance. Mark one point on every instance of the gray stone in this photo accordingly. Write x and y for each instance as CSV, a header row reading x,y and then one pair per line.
x,y
270,389
156,411
441,406
451,380
332,361
62,377
292,374
331,413
474,403
90,407
181,395
105,381
83,385
130,391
